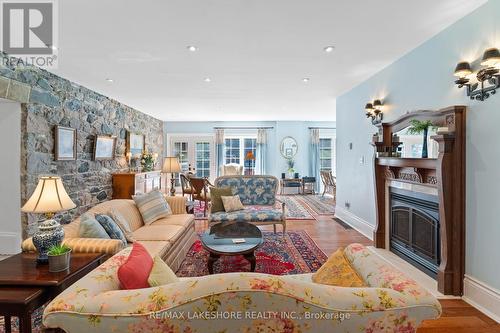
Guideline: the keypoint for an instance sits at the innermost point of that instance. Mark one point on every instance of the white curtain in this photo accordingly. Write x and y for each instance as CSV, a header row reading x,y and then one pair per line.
x,y
260,160
219,149
314,166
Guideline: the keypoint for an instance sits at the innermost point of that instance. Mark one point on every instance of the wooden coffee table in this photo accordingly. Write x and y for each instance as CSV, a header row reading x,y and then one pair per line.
x,y
218,241
26,285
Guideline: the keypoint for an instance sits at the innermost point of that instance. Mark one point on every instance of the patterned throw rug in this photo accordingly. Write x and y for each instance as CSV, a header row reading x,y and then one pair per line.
x,y
294,209
295,254
317,204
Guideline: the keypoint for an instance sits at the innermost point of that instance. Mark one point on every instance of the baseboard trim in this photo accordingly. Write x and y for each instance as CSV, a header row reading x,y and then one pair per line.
x,y
355,221
483,297
10,243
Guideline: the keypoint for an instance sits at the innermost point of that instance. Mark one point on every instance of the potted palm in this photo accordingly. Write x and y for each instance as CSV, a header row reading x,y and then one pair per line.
x,y
59,258
291,163
421,127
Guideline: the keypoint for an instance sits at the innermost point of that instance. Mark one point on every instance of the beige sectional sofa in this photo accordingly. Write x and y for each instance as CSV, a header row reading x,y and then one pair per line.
x,y
169,237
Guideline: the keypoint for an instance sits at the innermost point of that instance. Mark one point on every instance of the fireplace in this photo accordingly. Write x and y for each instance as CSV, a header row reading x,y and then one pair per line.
x,y
414,229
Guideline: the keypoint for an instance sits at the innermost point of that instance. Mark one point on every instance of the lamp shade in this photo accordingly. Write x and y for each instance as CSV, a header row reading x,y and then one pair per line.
x,y
249,156
463,69
491,57
369,107
49,197
171,165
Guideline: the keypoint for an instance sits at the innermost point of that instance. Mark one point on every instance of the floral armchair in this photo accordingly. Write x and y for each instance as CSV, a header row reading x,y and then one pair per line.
x,y
245,302
258,195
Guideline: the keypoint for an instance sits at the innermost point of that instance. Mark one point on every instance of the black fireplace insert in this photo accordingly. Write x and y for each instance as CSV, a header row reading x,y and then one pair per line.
x,y
414,229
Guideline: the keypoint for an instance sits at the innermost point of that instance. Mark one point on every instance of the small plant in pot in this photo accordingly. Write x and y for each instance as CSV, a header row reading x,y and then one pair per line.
x,y
59,258
421,127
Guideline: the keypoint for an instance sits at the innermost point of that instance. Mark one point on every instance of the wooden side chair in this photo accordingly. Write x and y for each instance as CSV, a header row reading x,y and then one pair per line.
x,y
186,186
200,191
329,183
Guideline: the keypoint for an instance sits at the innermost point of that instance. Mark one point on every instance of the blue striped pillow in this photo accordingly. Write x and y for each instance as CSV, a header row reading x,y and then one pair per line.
x,y
111,228
152,206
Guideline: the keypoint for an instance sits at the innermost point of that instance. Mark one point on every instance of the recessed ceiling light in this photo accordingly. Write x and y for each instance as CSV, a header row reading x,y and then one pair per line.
x,y
109,80
207,79
306,79
329,48
192,48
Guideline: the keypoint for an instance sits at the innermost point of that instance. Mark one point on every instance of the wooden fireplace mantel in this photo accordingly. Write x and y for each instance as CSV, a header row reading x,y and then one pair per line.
x,y
446,173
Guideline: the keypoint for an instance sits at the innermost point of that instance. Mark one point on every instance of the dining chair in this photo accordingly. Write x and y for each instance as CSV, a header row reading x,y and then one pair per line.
x,y
329,183
200,191
186,186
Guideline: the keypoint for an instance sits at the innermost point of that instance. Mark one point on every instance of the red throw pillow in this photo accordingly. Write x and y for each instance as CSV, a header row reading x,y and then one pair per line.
x,y
134,273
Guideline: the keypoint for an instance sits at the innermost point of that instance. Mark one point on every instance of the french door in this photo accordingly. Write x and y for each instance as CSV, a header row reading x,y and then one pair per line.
x,y
197,152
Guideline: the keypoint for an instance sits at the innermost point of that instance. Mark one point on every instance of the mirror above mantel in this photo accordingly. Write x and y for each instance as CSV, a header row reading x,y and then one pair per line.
x,y
412,144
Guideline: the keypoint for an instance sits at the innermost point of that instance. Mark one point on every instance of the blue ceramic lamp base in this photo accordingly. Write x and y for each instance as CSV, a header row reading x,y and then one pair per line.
x,y
49,233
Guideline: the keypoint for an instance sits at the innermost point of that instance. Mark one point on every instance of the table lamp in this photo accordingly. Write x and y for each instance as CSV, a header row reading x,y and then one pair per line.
x,y
171,165
48,198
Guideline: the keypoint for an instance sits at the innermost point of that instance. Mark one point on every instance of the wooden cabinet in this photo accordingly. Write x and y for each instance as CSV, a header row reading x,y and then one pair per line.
x,y
127,184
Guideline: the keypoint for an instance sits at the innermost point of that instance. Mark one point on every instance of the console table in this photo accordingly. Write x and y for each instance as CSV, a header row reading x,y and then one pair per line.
x,y
26,285
127,184
291,182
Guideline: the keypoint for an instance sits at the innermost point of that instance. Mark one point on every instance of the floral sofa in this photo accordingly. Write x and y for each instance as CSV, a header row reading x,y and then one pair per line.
x,y
246,302
258,195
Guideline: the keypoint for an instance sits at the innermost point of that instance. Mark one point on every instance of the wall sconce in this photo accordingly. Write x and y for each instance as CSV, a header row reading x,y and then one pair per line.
x,y
489,73
374,111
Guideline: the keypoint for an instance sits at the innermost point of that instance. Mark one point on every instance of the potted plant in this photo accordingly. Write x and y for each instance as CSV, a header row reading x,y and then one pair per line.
x,y
290,162
418,127
59,257
148,161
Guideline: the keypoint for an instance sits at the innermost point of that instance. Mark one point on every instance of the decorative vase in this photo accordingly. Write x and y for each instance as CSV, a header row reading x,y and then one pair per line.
x,y
49,233
425,153
59,262
146,167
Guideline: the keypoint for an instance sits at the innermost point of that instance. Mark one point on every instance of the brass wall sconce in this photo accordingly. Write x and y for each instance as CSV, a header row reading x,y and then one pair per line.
x,y
489,74
374,111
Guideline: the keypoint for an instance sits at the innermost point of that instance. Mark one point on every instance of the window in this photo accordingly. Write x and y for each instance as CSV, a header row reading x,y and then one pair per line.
x,y
202,159
325,154
181,151
233,151
237,148
250,146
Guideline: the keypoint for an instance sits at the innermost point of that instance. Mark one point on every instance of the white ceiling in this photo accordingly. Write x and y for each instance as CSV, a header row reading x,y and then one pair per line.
x,y
255,51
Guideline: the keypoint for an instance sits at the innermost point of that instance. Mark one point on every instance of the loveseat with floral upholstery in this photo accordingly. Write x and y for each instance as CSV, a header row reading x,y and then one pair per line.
x,y
246,302
258,195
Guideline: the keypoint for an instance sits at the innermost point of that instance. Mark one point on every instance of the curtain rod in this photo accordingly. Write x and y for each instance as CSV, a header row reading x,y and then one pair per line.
x,y
264,127
322,127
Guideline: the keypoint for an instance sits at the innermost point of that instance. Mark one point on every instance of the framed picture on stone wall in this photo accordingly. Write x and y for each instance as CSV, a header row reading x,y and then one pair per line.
x,y
104,147
135,144
65,144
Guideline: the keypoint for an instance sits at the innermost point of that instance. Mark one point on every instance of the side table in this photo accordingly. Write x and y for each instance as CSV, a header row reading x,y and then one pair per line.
x,y
26,285
20,302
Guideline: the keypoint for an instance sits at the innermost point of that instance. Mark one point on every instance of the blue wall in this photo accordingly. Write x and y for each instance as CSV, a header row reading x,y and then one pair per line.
x,y
423,79
276,164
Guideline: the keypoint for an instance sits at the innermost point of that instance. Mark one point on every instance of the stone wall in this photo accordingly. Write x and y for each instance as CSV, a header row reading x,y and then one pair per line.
x,y
48,100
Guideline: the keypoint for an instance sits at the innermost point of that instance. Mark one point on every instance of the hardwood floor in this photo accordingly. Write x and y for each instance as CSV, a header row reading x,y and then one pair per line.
x,y
458,316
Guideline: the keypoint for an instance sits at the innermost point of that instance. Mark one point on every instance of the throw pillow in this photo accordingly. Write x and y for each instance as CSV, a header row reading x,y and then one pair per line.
x,y
232,203
123,224
161,274
337,271
111,228
91,228
152,206
134,272
215,195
